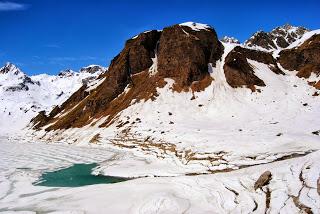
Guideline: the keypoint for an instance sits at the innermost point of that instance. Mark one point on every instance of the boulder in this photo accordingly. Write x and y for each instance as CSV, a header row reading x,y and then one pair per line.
x,y
263,180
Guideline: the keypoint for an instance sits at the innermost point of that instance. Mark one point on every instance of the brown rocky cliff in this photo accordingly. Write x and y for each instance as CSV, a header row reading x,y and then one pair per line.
x,y
305,59
240,73
183,55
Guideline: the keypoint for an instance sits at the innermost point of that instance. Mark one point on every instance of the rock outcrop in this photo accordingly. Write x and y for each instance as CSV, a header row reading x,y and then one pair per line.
x,y
305,59
184,53
238,71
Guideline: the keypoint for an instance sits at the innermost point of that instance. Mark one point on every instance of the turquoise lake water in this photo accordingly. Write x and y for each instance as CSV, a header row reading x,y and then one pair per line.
x,y
75,176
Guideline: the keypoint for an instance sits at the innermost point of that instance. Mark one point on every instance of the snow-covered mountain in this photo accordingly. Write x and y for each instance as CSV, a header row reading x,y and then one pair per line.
x,y
179,103
279,38
200,103
23,96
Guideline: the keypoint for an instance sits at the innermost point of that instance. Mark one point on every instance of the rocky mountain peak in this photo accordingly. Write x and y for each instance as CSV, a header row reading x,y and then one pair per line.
x,y
10,68
279,38
230,40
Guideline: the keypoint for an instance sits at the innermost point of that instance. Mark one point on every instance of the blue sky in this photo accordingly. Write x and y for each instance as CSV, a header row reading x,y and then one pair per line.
x,y
46,36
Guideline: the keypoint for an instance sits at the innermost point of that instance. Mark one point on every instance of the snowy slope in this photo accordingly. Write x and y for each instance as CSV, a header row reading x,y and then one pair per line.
x,y
22,97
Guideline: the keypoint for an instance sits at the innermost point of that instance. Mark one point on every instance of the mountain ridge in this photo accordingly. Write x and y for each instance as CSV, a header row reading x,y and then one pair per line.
x,y
23,96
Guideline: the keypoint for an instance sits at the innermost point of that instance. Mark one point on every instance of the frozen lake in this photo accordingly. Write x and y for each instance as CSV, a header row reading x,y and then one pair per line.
x,y
22,164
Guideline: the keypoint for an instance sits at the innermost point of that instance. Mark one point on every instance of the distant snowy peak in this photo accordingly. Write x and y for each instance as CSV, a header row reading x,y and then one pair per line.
x,y
230,40
196,26
66,73
10,68
279,38
91,69
13,79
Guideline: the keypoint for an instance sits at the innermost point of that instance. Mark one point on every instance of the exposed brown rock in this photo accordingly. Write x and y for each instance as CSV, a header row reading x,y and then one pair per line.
x,y
184,54
54,111
317,85
141,50
260,56
263,180
40,120
82,105
238,71
305,59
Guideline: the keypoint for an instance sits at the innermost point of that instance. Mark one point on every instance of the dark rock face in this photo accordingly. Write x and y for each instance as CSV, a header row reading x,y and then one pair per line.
x,y
261,39
305,58
184,54
263,180
141,50
238,71
260,56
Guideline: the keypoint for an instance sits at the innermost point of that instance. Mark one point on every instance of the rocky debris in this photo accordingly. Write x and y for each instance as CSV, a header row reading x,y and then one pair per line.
x,y
230,40
305,59
239,72
280,37
263,180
